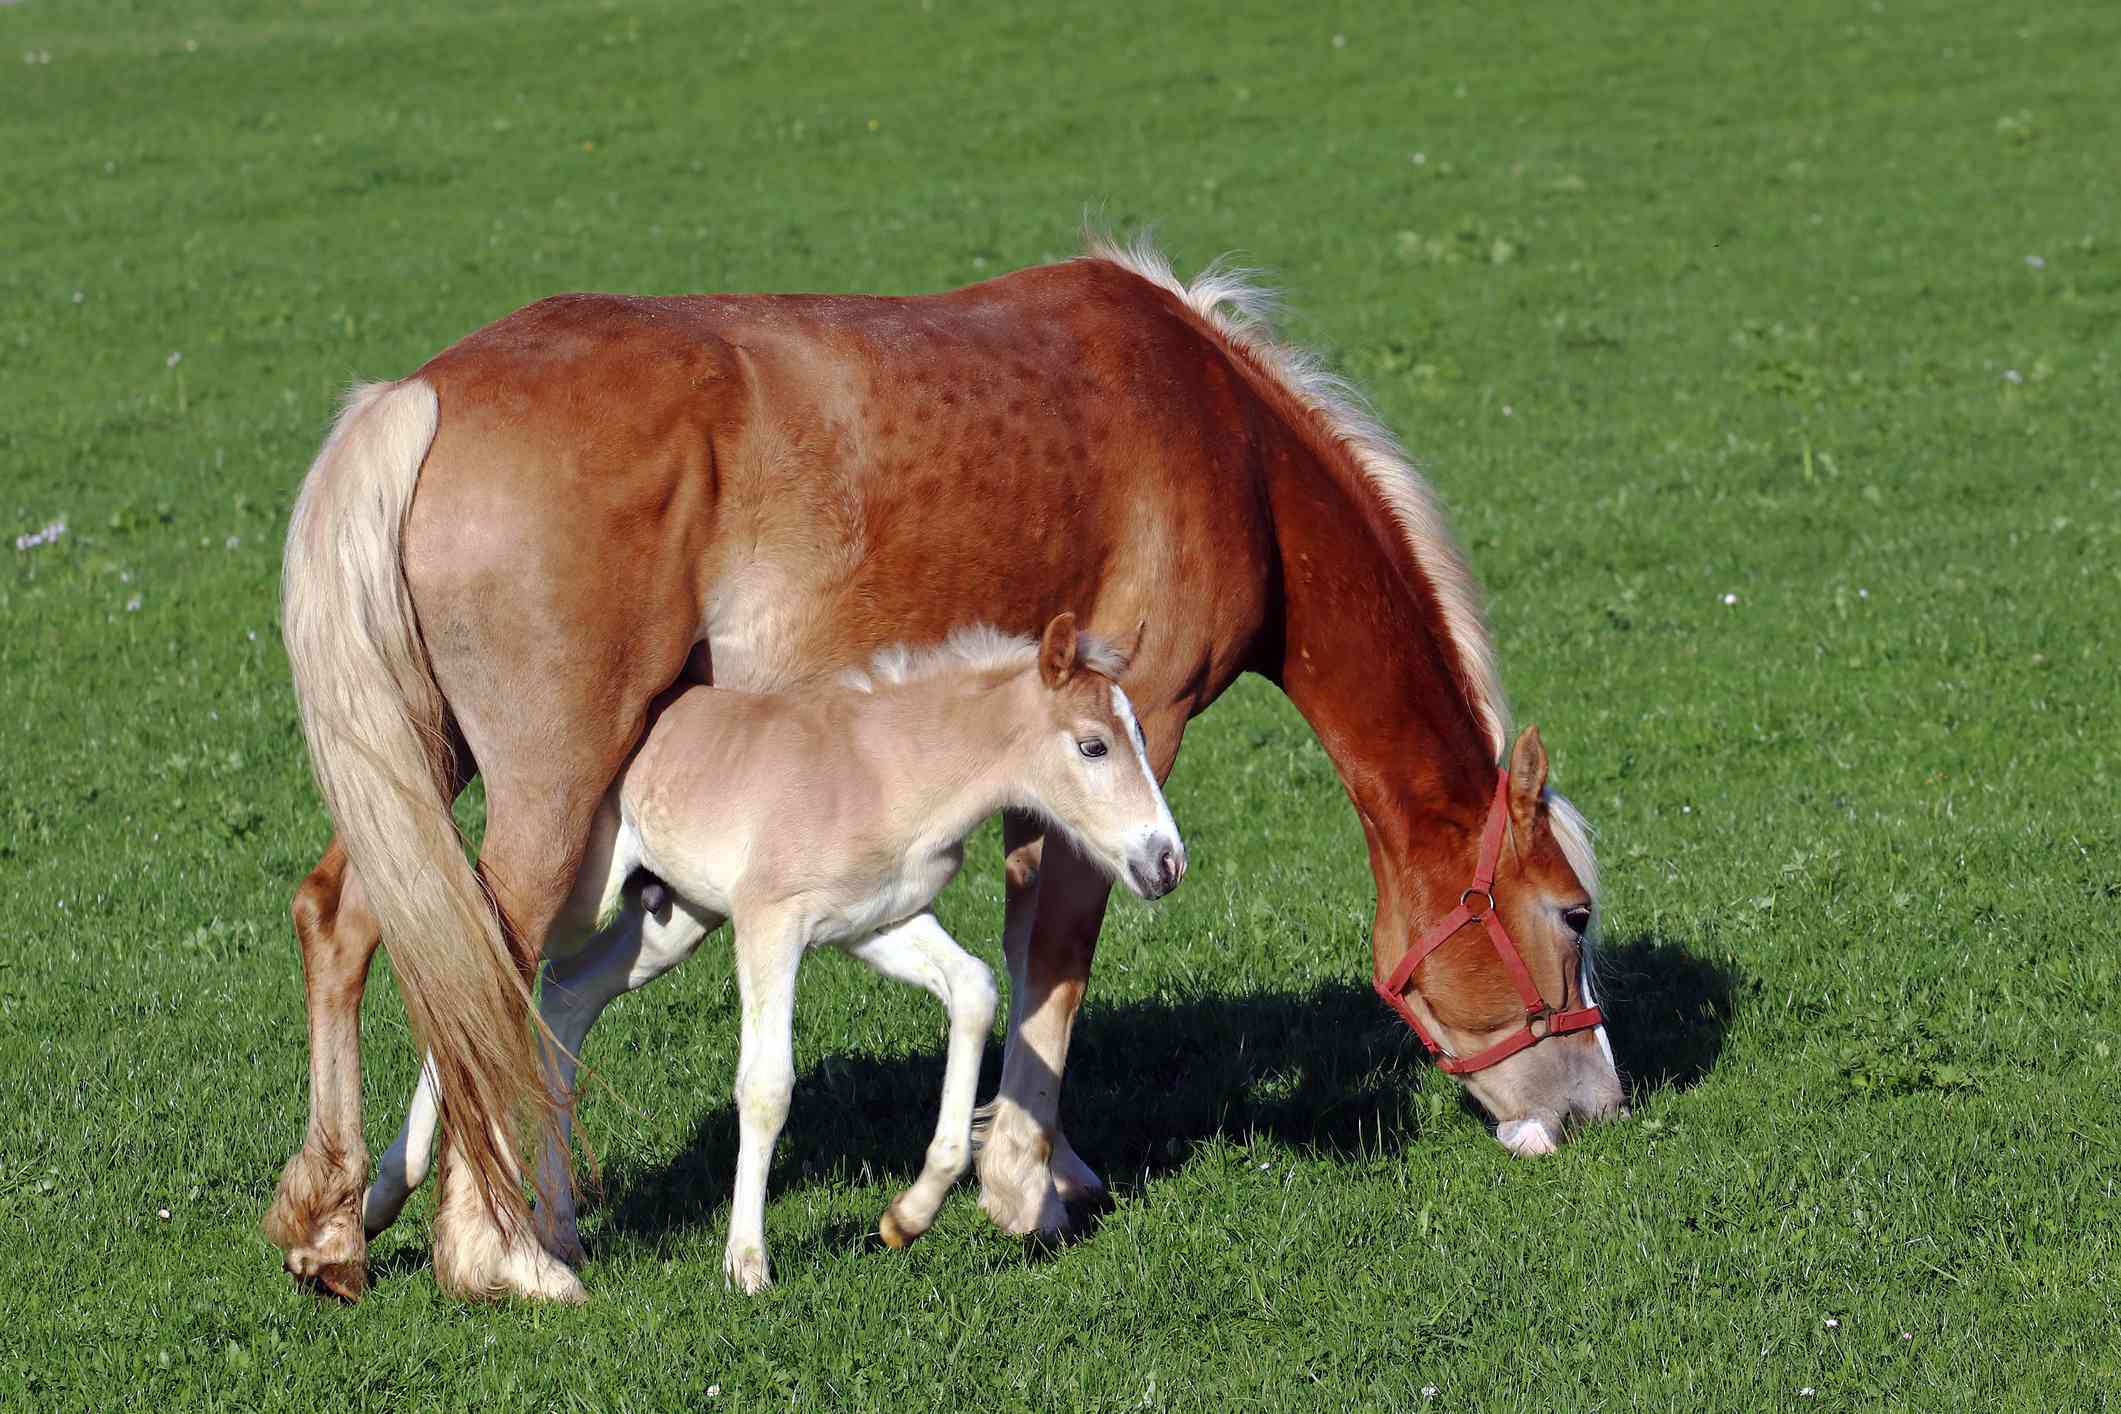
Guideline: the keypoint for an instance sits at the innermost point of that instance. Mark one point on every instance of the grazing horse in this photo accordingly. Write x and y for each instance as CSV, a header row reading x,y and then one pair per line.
x,y
831,817
500,562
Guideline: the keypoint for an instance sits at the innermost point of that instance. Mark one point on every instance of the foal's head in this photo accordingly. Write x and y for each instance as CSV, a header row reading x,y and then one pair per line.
x,y
1087,765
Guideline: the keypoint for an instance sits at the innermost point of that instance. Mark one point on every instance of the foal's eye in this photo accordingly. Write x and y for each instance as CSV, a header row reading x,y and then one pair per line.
x,y
1578,919
1092,748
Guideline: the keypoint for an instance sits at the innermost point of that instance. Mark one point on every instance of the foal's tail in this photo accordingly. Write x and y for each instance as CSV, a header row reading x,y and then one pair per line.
x,y
378,731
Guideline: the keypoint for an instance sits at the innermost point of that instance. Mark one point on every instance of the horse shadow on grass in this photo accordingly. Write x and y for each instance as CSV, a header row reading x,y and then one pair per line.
x,y
1328,1072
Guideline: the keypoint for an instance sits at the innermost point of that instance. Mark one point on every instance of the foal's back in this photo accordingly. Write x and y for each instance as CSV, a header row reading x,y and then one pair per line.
x,y
750,793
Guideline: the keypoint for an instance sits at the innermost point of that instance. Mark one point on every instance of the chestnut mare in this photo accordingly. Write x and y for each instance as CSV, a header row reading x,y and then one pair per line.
x,y
499,563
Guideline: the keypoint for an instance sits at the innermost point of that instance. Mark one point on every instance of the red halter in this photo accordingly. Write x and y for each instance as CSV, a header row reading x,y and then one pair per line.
x,y
1394,988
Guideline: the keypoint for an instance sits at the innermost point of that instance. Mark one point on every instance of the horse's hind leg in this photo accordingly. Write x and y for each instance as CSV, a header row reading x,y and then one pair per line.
x,y
316,1215
920,952
530,858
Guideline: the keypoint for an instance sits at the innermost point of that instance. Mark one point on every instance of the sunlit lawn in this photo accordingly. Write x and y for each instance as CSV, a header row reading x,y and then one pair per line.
x,y
1766,356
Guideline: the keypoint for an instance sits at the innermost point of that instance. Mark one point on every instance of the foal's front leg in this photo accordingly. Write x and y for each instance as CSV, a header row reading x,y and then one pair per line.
x,y
919,951
767,955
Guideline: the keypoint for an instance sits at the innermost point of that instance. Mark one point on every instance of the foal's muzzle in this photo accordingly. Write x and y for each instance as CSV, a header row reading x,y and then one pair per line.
x,y
1158,869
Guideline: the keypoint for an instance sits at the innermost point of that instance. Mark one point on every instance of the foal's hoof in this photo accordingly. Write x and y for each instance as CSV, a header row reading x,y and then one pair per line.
x,y
897,1234
746,1270
1078,1186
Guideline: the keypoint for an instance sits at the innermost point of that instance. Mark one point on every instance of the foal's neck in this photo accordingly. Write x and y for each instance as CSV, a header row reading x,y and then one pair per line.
x,y
955,741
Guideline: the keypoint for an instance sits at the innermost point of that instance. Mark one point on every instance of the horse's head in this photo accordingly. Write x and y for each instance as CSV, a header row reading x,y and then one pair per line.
x,y
1502,982
1088,768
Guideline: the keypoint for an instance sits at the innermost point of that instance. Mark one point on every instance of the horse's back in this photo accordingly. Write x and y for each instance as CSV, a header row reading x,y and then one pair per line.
x,y
798,479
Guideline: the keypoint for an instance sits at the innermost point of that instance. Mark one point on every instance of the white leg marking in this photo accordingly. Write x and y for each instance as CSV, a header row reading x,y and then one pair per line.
x,y
404,1165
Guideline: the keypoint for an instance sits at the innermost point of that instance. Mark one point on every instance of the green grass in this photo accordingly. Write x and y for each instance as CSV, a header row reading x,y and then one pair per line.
x,y
1675,303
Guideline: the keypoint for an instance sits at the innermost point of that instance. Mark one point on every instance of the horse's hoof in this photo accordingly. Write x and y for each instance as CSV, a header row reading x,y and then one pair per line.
x,y
1079,1187
335,1259
1038,1214
346,1280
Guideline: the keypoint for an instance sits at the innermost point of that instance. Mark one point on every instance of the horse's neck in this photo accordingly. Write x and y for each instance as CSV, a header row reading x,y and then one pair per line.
x,y
948,769
1366,658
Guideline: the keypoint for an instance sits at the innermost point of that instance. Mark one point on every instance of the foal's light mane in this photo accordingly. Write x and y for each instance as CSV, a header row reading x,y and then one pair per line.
x,y
1240,310
972,649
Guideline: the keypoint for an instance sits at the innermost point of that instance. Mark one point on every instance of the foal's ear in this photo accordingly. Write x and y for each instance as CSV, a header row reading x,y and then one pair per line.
x,y
1528,778
1056,651
1127,647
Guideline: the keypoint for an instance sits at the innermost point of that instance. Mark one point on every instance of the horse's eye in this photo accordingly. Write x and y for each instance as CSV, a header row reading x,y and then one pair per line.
x,y
1093,748
1578,919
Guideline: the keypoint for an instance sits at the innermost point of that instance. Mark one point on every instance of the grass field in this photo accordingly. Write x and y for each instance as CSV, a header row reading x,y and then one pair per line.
x,y
1766,355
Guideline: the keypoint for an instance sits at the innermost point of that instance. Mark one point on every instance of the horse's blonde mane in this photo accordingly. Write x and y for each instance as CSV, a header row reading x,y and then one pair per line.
x,y
974,648
1239,309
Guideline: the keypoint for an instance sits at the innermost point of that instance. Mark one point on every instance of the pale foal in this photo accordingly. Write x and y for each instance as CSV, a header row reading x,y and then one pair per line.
x,y
833,817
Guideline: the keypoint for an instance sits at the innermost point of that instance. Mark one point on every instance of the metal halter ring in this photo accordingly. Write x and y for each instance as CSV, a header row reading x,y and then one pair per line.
x,y
1395,985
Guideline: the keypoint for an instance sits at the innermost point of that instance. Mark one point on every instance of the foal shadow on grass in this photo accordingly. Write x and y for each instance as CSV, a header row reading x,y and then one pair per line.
x,y
1329,1072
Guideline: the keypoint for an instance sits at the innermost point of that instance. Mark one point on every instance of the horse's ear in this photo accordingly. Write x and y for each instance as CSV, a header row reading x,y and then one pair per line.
x,y
1056,651
1528,778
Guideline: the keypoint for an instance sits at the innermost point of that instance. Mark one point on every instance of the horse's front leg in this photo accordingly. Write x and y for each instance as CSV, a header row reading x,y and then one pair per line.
x,y
1049,954
315,1216
1023,845
1029,1173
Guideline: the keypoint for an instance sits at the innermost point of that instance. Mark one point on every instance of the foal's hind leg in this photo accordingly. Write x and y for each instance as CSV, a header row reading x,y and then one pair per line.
x,y
640,947
920,952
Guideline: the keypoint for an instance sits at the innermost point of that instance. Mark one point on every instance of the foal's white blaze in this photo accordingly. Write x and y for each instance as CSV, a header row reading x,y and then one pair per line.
x,y
1150,840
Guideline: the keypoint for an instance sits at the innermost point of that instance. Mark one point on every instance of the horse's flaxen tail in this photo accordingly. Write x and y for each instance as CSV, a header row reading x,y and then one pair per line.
x,y
378,726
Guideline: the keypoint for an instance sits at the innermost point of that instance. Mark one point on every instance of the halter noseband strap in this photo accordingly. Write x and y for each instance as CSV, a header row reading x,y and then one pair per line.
x,y
1477,905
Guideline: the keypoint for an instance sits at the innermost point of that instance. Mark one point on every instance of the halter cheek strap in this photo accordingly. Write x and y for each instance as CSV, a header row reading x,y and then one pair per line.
x,y
1477,905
